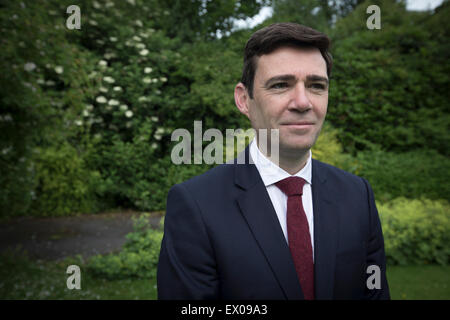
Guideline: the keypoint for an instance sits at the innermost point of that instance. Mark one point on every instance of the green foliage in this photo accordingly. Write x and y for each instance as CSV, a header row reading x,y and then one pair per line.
x,y
389,86
413,174
138,258
64,186
135,175
43,81
329,150
311,13
416,231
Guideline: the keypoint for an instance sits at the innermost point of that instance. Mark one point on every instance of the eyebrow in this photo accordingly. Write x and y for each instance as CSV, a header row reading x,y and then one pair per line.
x,y
290,77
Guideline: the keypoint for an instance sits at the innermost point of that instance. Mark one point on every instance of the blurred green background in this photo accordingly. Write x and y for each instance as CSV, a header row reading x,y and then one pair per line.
x,y
86,118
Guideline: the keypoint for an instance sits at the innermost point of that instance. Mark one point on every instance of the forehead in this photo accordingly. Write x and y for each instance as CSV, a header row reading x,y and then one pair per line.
x,y
290,60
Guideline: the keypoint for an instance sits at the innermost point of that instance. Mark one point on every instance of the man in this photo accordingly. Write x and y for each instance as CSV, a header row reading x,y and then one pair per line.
x,y
293,229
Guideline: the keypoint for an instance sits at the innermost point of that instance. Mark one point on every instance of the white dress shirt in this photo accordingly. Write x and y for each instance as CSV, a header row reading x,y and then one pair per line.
x,y
271,174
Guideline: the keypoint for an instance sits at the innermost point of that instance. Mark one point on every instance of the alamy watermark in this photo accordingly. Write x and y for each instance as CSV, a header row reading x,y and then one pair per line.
x,y
74,280
214,152
74,20
374,280
374,20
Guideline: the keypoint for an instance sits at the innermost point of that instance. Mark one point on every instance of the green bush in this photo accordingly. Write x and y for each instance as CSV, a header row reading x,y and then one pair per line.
x,y
414,174
389,86
139,255
329,150
416,231
64,185
135,175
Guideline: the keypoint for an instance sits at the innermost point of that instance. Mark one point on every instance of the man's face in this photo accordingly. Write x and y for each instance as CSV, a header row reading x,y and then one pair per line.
x,y
290,93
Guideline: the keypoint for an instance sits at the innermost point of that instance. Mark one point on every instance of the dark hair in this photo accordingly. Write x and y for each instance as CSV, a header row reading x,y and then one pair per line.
x,y
268,39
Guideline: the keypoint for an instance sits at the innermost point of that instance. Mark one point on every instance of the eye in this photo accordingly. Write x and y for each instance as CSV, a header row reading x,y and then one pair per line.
x,y
318,86
279,85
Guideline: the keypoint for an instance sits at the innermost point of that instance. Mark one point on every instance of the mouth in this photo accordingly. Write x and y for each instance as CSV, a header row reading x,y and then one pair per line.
x,y
298,125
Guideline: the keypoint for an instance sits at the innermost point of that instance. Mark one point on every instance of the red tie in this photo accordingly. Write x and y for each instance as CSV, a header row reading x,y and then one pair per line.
x,y
298,234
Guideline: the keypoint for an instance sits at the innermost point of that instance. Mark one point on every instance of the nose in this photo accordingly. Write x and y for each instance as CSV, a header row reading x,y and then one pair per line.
x,y
299,100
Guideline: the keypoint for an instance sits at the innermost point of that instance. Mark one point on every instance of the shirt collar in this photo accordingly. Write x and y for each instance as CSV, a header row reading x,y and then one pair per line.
x,y
270,172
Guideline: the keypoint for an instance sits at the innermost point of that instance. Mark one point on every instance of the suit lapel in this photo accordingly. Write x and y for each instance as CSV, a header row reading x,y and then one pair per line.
x,y
257,209
326,224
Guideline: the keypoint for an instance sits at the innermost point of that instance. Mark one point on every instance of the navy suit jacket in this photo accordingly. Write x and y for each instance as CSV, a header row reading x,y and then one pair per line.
x,y
222,238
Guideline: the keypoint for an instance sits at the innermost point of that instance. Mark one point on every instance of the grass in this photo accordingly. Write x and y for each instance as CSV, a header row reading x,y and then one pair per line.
x,y
428,282
23,278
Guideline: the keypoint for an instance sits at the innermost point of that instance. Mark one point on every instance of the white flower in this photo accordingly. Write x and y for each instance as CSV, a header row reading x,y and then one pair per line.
x,y
109,55
50,83
29,66
159,131
103,89
78,122
101,99
117,88
113,102
154,145
93,23
154,119
124,107
143,52
147,80
148,70
132,2
154,80
112,39
140,46
109,79
139,23
136,38
163,79
59,69
92,74
142,99
129,114
89,107
40,81
109,4
96,5
157,136
103,63
85,113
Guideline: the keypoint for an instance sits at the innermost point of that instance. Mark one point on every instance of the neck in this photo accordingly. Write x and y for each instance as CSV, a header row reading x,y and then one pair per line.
x,y
292,165
288,161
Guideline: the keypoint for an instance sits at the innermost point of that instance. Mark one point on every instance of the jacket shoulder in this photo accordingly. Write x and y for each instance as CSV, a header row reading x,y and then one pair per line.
x,y
332,173
221,174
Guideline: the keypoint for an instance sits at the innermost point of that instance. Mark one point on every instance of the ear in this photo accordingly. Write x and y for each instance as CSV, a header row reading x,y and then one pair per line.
x,y
241,98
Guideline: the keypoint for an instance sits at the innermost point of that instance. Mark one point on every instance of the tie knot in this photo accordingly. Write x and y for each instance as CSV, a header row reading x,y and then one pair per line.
x,y
291,186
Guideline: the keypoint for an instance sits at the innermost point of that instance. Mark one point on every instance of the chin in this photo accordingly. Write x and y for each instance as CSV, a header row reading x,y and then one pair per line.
x,y
297,143
295,148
